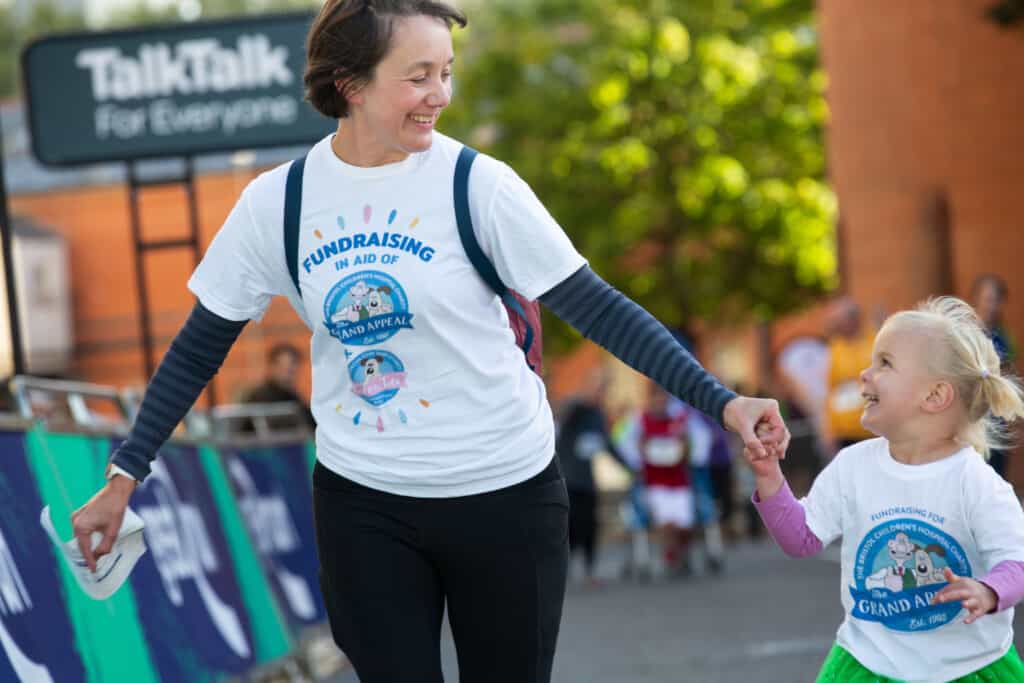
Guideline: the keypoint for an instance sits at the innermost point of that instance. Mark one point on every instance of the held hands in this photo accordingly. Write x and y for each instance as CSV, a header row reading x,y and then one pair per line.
x,y
765,439
104,513
977,598
759,424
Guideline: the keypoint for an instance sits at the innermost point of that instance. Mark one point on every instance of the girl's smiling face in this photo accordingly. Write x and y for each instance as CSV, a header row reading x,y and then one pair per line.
x,y
898,382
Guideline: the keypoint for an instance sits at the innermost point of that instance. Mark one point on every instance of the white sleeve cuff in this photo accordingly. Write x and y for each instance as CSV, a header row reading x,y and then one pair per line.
x,y
114,470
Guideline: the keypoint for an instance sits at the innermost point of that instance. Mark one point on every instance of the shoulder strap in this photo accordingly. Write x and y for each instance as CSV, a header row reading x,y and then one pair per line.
x,y
476,255
472,248
292,216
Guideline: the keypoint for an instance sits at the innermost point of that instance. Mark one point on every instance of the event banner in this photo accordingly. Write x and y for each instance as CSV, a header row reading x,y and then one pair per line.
x,y
68,470
37,642
273,490
190,603
175,91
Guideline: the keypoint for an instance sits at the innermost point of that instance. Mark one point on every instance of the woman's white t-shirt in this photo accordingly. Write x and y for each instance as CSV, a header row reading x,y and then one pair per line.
x,y
901,525
418,386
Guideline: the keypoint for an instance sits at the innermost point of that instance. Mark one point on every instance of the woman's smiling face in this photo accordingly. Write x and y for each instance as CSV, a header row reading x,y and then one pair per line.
x,y
399,107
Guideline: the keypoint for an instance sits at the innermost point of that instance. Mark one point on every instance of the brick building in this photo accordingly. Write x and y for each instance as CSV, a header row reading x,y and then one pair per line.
x,y
925,147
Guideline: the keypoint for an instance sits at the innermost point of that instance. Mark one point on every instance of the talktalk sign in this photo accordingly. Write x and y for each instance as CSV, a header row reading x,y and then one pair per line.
x,y
173,91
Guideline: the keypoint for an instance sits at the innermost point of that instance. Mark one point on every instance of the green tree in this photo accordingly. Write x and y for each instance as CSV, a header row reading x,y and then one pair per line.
x,y
679,142
17,32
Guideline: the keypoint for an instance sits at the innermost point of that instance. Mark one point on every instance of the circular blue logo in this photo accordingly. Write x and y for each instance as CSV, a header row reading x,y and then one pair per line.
x,y
366,308
377,376
898,570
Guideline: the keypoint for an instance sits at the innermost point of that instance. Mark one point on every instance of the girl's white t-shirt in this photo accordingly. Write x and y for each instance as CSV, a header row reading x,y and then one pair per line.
x,y
901,525
419,388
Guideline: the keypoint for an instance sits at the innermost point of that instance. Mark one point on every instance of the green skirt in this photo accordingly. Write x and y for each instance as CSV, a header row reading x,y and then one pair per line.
x,y
841,667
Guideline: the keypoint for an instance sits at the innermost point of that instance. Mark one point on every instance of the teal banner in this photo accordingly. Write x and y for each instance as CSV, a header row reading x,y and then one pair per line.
x,y
108,637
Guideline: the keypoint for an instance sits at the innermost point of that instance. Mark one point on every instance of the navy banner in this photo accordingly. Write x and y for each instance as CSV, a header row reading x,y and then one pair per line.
x,y
37,642
190,603
273,490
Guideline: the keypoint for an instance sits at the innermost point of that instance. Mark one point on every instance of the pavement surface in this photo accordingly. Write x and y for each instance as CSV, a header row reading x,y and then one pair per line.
x,y
765,619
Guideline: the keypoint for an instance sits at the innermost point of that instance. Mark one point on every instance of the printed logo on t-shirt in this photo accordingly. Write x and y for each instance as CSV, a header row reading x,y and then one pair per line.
x,y
377,376
366,308
898,569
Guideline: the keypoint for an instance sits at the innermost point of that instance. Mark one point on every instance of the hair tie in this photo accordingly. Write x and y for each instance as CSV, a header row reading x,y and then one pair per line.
x,y
984,373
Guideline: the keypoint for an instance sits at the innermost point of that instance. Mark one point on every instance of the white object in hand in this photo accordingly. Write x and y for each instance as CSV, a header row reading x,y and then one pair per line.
x,y
111,569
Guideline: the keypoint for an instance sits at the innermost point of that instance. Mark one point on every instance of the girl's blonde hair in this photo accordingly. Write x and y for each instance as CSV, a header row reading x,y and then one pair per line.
x,y
961,352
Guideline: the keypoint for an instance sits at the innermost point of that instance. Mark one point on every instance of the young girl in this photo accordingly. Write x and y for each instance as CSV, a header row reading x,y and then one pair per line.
x,y
933,539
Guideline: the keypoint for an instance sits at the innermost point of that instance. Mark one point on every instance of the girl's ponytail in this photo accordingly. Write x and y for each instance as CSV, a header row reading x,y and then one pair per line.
x,y
966,356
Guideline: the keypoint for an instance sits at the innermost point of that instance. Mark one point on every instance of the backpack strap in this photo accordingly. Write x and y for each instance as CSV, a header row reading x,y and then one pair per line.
x,y
472,248
292,216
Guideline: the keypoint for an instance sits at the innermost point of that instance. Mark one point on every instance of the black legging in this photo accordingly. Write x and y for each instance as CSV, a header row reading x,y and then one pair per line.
x,y
583,526
389,564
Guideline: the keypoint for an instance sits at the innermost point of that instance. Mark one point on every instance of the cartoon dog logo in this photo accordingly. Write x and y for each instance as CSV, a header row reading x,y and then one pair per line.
x,y
371,366
378,301
925,573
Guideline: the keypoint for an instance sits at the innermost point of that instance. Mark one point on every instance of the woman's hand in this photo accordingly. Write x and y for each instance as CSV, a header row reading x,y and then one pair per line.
x,y
103,513
759,424
977,598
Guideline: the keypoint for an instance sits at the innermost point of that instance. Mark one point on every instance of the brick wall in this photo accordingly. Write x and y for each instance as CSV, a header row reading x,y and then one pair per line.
x,y
105,300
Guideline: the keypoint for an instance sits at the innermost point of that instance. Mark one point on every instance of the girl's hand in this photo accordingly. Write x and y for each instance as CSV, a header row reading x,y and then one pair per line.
x,y
977,598
759,424
767,473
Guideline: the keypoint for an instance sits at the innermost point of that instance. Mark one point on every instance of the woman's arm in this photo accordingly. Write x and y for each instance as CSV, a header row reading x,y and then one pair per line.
x,y
193,359
607,317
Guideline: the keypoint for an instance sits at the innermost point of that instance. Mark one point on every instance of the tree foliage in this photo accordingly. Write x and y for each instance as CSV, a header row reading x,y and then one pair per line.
x,y
679,142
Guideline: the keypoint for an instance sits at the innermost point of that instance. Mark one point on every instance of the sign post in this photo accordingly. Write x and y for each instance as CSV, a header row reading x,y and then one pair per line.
x,y
7,245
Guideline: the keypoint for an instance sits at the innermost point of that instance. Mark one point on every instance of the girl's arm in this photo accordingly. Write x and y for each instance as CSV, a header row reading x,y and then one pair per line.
x,y
786,521
1007,581
783,515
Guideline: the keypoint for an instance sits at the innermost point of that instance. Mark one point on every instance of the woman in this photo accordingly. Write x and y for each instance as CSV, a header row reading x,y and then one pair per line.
x,y
435,483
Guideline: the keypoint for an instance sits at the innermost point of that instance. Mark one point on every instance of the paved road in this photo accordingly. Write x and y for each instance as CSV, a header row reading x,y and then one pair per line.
x,y
767,619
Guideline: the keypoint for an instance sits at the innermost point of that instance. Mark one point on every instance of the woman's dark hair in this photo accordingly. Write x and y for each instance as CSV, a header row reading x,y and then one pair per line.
x,y
349,38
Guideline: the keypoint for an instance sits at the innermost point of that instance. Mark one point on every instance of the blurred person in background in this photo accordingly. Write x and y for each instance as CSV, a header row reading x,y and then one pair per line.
x,y
436,486
808,449
849,346
582,434
658,435
279,386
988,294
706,440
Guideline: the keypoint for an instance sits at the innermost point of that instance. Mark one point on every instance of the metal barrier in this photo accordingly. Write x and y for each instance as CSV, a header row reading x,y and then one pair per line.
x,y
63,405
